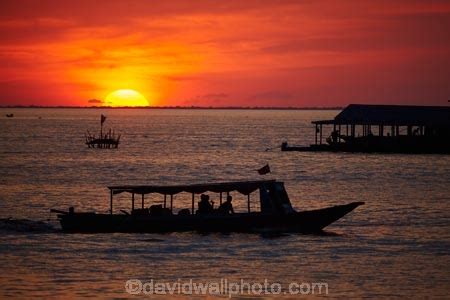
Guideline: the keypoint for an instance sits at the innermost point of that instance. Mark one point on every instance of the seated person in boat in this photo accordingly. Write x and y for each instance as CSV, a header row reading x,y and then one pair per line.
x,y
226,207
205,206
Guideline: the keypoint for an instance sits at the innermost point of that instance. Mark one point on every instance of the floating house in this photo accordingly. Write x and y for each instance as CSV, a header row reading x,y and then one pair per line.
x,y
383,128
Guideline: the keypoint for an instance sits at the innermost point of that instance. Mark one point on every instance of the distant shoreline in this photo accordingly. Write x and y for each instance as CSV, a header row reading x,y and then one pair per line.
x,y
177,107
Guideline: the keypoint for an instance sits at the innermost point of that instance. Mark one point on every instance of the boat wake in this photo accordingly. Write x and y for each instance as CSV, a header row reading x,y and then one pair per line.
x,y
11,225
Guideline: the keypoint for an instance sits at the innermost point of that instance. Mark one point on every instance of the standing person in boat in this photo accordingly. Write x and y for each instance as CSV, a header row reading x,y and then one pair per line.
x,y
205,206
226,207
334,136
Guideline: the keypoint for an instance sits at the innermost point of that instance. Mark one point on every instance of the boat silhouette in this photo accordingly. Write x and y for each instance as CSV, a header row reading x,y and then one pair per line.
x,y
103,141
276,213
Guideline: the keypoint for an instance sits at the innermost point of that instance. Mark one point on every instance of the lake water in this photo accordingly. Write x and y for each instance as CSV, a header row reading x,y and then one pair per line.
x,y
396,245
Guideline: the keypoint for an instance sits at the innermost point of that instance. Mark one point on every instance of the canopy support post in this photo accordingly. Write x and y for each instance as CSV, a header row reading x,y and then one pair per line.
x,y
111,202
339,135
142,201
171,203
165,200
248,203
132,201
220,198
320,129
317,129
193,198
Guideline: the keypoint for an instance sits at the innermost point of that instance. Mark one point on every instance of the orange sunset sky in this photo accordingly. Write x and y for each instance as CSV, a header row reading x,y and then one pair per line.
x,y
225,53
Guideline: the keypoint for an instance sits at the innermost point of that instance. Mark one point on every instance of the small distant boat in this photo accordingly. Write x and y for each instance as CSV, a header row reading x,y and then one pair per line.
x,y
276,212
103,141
10,115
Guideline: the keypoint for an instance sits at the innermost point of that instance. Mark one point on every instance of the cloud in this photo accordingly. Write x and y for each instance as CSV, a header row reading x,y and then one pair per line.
x,y
214,96
95,101
272,96
183,78
209,99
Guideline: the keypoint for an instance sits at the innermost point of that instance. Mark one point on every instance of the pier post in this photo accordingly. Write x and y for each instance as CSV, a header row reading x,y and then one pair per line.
x,y
165,200
320,129
248,203
193,198
339,135
220,198
111,202
142,201
317,129
132,201
171,203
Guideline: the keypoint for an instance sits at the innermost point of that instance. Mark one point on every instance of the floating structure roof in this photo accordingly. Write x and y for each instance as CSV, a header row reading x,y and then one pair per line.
x,y
401,115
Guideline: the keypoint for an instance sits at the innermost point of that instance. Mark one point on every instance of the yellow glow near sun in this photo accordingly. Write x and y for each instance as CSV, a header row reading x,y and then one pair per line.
x,y
126,97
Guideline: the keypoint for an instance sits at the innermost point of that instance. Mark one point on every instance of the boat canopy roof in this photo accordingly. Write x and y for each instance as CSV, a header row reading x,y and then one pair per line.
x,y
243,187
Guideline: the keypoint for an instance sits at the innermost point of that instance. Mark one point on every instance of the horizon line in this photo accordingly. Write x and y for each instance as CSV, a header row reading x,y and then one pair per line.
x,y
181,107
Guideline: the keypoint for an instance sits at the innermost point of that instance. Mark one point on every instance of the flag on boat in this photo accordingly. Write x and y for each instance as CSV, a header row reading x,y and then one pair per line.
x,y
102,119
264,170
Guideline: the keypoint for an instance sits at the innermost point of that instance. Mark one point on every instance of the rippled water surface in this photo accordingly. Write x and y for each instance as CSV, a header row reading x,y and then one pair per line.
x,y
395,245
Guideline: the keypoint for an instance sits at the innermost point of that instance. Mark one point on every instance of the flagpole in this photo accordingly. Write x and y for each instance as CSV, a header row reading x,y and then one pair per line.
x,y
101,126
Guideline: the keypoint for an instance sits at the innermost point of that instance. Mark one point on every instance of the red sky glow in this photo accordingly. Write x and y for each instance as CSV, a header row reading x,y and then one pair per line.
x,y
225,53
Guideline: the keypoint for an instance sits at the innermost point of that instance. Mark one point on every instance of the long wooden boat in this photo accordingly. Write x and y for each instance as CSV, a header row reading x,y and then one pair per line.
x,y
276,212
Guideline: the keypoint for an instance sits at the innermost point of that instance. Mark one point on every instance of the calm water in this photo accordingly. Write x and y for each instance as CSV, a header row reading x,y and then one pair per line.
x,y
398,244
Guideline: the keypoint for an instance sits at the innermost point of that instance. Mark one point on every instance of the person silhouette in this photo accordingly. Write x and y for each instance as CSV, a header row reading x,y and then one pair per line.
x,y
226,207
204,205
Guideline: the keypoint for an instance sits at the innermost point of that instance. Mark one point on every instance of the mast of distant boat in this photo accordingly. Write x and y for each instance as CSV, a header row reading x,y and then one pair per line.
x,y
102,120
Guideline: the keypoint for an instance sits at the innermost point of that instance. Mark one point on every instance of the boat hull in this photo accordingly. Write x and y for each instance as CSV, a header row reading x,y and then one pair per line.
x,y
303,222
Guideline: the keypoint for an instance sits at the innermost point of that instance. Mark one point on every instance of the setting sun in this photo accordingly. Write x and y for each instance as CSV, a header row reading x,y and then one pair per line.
x,y
126,97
